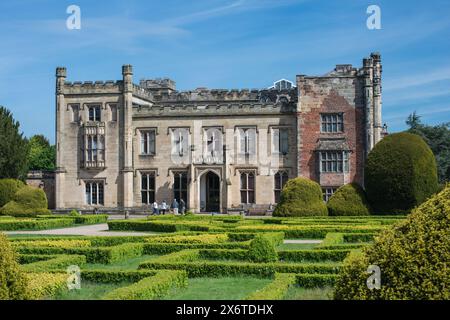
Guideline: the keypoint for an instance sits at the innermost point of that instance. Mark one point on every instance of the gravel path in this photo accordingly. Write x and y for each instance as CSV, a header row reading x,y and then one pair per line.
x,y
90,230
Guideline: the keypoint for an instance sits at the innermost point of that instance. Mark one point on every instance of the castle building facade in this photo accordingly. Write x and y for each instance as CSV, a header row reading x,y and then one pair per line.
x,y
123,146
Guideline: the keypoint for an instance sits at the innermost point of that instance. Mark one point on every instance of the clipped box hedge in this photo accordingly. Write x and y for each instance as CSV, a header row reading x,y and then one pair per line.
x,y
315,280
313,255
275,290
45,285
219,269
59,263
34,224
155,287
163,248
103,255
30,258
112,276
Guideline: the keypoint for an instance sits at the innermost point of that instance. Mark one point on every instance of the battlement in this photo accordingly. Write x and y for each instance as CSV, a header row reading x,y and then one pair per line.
x,y
238,95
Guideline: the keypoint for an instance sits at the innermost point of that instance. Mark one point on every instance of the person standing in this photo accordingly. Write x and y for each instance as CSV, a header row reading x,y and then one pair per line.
x,y
175,206
163,207
182,206
155,207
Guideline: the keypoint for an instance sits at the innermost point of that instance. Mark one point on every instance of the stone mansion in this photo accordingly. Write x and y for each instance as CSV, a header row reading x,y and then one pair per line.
x,y
122,146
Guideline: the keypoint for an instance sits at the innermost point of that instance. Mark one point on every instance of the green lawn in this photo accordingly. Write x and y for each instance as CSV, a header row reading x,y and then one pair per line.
x,y
227,288
298,293
89,291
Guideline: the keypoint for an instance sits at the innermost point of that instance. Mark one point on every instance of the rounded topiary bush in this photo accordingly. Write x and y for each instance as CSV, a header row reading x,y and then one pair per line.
x,y
27,201
262,249
400,173
301,197
8,187
348,200
13,284
413,256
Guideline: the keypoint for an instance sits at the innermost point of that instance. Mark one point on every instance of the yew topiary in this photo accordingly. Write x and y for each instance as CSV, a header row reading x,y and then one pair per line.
x,y
262,249
8,187
301,197
400,174
13,284
348,200
27,201
413,256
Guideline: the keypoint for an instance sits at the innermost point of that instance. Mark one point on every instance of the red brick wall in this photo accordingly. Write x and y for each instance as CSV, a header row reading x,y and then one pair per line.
x,y
330,95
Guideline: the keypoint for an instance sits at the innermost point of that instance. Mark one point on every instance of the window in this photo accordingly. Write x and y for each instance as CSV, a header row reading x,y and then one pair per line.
x,y
95,150
180,141
247,187
247,141
94,193
113,110
332,122
94,113
148,188
334,161
281,178
75,116
148,142
180,183
213,152
280,140
328,192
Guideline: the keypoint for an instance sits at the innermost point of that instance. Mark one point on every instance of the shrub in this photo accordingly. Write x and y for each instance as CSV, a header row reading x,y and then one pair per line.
x,y
74,213
203,238
34,224
262,249
8,187
301,197
13,284
275,290
45,285
348,200
57,243
27,201
413,256
315,280
224,254
59,263
91,218
313,255
400,173
113,276
155,287
219,268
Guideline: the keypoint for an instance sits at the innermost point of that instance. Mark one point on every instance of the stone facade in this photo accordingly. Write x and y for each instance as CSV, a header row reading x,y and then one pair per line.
x,y
122,145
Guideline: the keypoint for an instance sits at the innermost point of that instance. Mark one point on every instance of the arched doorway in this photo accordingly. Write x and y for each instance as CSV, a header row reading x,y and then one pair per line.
x,y
210,192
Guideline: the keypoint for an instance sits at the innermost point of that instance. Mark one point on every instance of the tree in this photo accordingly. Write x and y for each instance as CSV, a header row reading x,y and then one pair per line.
x,y
301,197
412,255
438,139
13,284
400,173
42,155
13,147
349,200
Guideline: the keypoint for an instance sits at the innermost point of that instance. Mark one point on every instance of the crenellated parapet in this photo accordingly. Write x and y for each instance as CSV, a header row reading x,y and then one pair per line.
x,y
92,87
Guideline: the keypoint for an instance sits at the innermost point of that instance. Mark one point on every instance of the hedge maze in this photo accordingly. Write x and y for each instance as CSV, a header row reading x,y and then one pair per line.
x,y
182,250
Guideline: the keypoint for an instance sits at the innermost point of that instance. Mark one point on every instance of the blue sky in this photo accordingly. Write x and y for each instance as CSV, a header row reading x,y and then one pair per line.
x,y
223,44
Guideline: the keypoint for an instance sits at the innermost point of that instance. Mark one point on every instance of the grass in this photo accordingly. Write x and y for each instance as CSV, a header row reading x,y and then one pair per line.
x,y
298,293
296,246
227,288
130,264
89,291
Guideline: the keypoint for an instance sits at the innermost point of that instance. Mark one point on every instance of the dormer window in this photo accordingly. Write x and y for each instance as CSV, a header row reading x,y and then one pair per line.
x,y
94,113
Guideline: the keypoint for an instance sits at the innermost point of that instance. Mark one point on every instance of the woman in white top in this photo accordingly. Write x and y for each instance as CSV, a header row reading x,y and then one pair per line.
x,y
155,207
